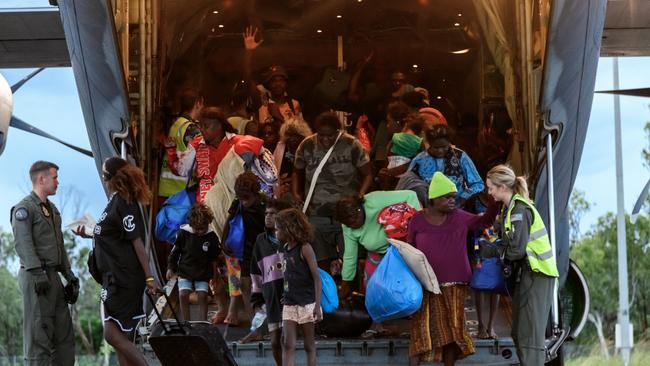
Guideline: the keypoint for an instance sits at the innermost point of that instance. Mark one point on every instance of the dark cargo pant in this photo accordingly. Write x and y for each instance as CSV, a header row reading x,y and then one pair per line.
x,y
328,238
531,307
48,337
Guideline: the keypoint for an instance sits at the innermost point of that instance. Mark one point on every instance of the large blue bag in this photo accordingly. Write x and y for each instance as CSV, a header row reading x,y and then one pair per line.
x,y
173,214
393,291
329,299
489,276
236,235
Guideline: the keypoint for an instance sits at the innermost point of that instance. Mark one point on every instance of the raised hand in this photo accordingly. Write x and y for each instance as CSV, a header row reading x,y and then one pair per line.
x,y
249,38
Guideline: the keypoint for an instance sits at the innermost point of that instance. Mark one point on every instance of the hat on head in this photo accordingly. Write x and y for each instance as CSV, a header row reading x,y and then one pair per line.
x,y
274,71
440,186
432,116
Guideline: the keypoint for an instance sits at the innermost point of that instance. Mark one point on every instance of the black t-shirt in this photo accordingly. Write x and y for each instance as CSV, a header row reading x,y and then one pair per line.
x,y
298,282
193,254
120,223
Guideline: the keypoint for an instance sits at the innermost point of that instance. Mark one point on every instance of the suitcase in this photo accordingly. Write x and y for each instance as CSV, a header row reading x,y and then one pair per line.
x,y
188,343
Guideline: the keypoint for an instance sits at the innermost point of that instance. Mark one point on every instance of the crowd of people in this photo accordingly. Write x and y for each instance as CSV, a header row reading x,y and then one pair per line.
x,y
278,197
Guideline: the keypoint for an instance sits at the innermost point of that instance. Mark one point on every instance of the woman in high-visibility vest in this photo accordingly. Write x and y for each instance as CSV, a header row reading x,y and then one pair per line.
x,y
528,247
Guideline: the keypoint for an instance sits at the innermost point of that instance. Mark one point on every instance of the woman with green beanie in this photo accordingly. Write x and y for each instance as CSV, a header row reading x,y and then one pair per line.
x,y
440,231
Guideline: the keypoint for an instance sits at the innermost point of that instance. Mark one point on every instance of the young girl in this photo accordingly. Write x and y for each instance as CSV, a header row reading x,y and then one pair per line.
x,y
193,258
302,285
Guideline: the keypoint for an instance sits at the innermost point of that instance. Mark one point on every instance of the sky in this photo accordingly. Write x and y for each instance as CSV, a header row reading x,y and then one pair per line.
x,y
50,102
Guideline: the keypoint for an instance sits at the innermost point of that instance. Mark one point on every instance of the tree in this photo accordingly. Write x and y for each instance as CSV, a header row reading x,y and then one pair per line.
x,y
12,314
578,206
596,254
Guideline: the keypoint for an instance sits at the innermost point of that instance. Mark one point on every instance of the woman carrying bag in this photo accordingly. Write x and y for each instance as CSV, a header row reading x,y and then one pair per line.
x,y
440,231
528,248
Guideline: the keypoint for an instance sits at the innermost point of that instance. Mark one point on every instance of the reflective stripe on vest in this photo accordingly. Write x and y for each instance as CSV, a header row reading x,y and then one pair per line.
x,y
538,249
171,183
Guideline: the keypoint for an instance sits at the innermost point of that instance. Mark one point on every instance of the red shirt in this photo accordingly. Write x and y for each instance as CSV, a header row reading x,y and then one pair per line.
x,y
208,158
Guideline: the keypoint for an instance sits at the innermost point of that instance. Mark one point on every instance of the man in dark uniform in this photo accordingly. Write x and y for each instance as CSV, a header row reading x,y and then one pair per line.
x,y
48,337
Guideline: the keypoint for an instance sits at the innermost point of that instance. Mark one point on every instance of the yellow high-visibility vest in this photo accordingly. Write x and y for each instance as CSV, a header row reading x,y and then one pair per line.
x,y
171,183
538,249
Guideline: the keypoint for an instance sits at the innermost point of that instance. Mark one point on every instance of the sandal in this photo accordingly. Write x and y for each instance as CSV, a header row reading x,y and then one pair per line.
x,y
369,334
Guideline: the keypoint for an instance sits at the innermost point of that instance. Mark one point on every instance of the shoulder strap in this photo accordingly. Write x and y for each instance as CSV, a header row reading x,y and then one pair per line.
x,y
319,168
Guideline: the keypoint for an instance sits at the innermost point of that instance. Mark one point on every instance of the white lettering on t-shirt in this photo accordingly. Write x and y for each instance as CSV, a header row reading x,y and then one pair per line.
x,y
128,223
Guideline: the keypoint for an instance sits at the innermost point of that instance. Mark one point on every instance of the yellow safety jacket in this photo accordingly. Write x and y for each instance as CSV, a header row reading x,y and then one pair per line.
x,y
538,249
171,183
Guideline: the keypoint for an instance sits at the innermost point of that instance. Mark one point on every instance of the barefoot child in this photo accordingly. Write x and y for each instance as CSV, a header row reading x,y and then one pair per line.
x,y
192,258
302,284
268,280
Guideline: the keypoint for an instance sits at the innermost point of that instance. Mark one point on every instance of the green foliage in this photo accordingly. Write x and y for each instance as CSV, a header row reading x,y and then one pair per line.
x,y
578,206
640,356
7,251
596,255
12,314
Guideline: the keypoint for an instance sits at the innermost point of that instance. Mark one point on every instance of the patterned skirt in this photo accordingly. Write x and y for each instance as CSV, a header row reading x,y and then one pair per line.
x,y
234,276
440,322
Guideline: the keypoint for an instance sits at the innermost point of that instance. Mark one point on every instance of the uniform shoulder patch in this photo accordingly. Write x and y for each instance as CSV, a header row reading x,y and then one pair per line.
x,y
21,214
516,217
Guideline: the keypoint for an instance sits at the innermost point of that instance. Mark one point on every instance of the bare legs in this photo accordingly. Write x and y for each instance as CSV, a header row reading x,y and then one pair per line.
x,y
289,342
483,331
127,353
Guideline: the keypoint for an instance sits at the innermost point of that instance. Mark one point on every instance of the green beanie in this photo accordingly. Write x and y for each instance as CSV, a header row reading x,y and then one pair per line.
x,y
440,186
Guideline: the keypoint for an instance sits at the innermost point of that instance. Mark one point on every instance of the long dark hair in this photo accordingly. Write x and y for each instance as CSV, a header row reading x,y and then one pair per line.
x,y
127,180
295,224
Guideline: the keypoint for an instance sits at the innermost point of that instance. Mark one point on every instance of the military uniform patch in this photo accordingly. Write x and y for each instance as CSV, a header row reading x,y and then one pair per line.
x,y
516,217
21,214
45,211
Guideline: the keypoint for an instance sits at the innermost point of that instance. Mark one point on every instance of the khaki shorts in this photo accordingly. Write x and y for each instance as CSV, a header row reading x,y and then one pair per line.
x,y
300,314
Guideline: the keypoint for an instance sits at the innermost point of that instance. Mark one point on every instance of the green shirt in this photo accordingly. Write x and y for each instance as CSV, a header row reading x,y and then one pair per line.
x,y
371,235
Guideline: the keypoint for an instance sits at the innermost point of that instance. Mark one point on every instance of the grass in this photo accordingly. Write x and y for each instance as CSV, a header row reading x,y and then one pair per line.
x,y
640,356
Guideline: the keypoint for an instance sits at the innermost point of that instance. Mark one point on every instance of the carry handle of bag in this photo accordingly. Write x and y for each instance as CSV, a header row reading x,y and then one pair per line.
x,y
319,168
164,326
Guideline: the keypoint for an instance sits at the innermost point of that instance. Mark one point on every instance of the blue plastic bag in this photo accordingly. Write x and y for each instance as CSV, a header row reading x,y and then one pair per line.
x,y
173,214
329,299
489,276
236,238
393,291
